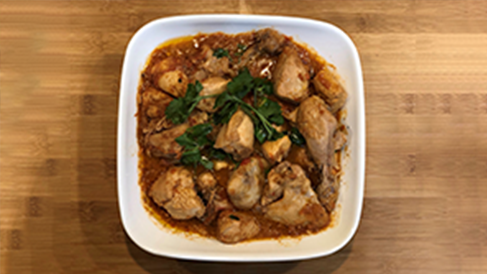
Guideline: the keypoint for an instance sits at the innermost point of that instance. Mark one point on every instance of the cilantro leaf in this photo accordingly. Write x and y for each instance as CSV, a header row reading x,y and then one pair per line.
x,y
200,130
263,86
219,53
240,50
296,137
180,109
264,113
195,140
176,111
271,110
260,133
217,154
192,156
241,85
206,163
185,141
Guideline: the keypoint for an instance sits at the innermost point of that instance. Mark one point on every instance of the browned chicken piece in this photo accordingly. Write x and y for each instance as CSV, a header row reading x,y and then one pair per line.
x,y
164,144
206,182
270,40
291,77
218,202
165,65
330,89
237,136
318,126
327,190
291,116
248,57
300,156
155,102
215,66
234,227
288,111
245,184
174,82
275,151
299,204
215,196
211,86
276,181
199,75
197,117
174,191
340,139
170,78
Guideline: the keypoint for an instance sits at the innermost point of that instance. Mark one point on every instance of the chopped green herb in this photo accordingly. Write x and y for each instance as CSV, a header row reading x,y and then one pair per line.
x,y
217,154
296,137
179,109
242,84
206,163
262,86
233,217
192,156
194,140
219,53
240,50
264,113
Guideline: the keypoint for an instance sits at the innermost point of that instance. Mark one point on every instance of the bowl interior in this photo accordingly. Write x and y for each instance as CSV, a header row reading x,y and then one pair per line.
x,y
332,44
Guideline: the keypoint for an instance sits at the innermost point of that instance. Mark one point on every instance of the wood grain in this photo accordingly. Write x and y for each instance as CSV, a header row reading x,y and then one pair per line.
x,y
425,71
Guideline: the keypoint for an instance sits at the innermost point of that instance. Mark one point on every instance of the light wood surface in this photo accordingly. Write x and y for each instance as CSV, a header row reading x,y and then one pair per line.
x,y
425,71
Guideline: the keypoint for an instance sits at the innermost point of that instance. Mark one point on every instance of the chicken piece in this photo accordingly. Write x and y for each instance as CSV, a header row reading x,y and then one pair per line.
x,y
155,102
278,178
291,116
211,86
327,190
275,151
245,184
164,144
340,139
291,77
216,66
168,64
270,40
215,196
169,77
248,57
288,111
199,75
221,164
329,88
174,191
237,137
206,182
299,204
218,202
300,156
234,227
318,126
174,82
197,117
276,181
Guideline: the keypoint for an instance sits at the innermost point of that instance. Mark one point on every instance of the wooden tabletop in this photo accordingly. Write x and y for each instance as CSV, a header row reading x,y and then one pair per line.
x,y
425,71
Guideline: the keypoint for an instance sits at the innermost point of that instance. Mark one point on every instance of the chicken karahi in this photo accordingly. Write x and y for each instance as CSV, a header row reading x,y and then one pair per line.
x,y
240,136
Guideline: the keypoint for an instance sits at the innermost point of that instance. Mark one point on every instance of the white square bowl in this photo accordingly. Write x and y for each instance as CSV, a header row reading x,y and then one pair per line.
x,y
332,44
